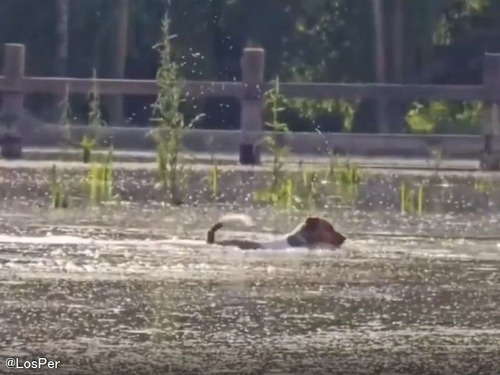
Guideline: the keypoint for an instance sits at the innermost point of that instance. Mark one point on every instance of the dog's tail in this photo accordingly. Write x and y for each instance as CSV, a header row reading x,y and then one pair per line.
x,y
228,219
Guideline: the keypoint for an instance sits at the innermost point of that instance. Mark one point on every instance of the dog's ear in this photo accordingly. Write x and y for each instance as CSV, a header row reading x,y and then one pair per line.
x,y
339,239
312,222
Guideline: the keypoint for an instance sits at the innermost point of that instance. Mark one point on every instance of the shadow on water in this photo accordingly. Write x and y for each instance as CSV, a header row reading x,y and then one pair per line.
x,y
133,288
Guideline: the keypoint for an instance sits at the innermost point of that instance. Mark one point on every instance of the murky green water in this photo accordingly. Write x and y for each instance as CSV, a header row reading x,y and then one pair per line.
x,y
132,288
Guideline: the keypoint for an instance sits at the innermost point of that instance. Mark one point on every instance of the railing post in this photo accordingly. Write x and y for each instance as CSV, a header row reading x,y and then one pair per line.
x,y
490,159
13,98
252,106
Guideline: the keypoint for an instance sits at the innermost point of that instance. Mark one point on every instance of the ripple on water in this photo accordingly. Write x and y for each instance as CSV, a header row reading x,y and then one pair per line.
x,y
132,295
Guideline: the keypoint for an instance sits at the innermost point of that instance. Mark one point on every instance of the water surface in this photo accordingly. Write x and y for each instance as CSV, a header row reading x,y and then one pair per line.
x,y
134,288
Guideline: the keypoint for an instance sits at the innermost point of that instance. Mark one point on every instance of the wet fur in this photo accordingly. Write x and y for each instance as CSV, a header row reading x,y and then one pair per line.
x,y
307,234
228,220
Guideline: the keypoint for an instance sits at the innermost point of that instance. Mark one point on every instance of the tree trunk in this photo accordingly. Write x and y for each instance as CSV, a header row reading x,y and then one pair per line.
x,y
62,37
370,114
398,40
397,109
380,61
61,61
115,103
389,62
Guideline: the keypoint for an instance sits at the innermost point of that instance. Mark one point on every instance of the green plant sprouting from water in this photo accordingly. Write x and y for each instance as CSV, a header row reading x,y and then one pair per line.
x,y
214,173
88,144
169,133
412,199
59,195
65,119
281,190
100,180
483,186
95,115
213,179
310,183
437,156
91,141
349,175
344,178
274,100
284,196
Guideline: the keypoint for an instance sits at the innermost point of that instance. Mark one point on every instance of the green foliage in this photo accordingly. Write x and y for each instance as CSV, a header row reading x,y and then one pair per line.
x,y
412,199
305,41
476,6
280,190
284,190
95,115
323,44
169,133
100,180
310,188
443,117
275,100
60,198
344,179
332,109
214,173
87,145
91,141
284,196
317,115
213,180
483,186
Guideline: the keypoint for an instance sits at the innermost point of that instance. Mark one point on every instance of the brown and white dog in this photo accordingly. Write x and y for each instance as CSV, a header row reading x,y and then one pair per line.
x,y
314,232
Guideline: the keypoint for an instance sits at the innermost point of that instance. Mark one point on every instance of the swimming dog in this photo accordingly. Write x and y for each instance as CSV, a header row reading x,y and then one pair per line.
x,y
312,233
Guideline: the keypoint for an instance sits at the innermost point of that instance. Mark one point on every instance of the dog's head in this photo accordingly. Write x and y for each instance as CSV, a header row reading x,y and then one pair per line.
x,y
319,231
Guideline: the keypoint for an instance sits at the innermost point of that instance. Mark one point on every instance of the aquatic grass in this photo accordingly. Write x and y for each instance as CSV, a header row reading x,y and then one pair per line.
x,y
65,119
301,190
310,181
350,175
95,115
169,133
298,191
60,198
161,166
348,180
285,196
412,199
100,180
274,101
88,144
213,179
214,173
344,179
91,141
348,194
332,164
482,186
347,173
281,190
